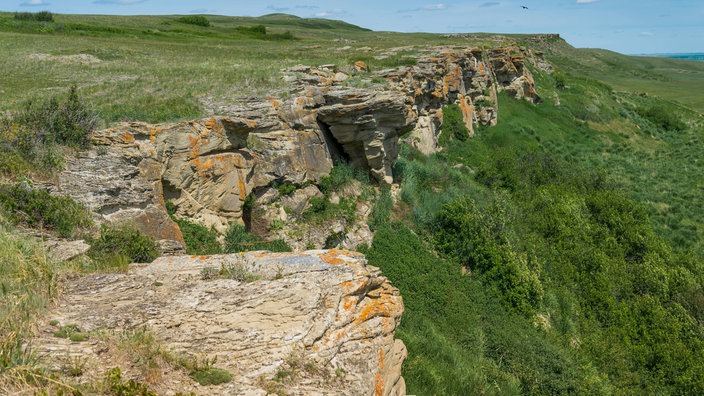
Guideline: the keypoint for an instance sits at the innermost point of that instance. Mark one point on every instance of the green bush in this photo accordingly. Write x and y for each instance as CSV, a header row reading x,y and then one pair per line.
x,y
286,188
126,242
41,16
67,122
198,20
453,124
22,203
199,240
381,211
340,176
237,239
662,117
32,138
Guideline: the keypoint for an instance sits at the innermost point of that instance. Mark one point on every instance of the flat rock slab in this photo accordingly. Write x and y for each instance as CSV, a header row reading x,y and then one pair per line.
x,y
324,308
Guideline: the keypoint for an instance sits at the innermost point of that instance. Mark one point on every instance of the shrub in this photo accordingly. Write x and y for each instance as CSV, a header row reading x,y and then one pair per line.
x,y
286,188
68,122
198,20
340,176
41,16
453,125
662,118
199,240
381,211
237,239
37,208
127,243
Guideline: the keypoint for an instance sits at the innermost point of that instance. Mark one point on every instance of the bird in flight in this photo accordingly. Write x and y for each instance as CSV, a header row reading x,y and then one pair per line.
x,y
524,7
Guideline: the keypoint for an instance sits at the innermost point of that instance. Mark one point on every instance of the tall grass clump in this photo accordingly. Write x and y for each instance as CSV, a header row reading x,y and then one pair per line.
x,y
27,285
237,239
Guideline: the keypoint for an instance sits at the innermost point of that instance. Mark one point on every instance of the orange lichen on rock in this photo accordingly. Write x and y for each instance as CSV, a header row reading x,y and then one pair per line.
x,y
274,103
242,186
378,385
127,137
382,306
194,142
152,135
332,257
361,66
353,287
203,168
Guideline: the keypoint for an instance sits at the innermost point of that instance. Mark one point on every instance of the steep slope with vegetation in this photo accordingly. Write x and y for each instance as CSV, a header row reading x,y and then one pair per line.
x,y
558,252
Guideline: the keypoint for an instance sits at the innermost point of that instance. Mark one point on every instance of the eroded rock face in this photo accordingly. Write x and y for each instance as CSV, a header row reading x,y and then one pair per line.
x,y
208,167
326,309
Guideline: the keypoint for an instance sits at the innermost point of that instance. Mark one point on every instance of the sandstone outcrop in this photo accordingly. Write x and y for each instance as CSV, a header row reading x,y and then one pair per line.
x,y
324,314
208,167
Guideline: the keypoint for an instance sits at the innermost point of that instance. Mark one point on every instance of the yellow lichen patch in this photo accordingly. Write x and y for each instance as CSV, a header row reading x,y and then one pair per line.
x,y
242,186
152,135
212,123
194,142
127,137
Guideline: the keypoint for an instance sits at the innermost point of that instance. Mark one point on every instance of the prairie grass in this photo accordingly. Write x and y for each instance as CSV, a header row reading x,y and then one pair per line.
x,y
28,282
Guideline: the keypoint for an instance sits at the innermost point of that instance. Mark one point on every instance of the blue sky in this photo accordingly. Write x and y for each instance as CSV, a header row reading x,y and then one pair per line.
x,y
626,26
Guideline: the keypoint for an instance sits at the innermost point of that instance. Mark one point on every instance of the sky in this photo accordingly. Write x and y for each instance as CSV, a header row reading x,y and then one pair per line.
x,y
626,26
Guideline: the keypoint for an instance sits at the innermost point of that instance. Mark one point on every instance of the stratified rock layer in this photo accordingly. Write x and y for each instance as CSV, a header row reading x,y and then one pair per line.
x,y
208,167
326,309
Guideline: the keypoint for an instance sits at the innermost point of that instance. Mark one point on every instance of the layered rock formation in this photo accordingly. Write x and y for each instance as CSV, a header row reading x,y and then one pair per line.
x,y
323,314
208,167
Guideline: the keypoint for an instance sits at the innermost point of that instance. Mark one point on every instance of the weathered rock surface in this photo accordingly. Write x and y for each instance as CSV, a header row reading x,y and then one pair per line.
x,y
208,167
325,309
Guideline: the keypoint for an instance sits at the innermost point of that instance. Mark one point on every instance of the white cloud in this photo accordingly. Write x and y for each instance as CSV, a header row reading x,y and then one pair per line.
x,y
646,34
490,4
434,7
331,13
586,1
120,2
34,3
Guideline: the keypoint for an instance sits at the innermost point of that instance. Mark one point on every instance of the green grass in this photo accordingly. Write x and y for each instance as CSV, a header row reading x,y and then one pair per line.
x,y
28,282
181,66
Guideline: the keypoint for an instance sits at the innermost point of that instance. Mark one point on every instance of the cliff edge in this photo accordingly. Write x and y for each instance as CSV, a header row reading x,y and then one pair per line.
x,y
318,322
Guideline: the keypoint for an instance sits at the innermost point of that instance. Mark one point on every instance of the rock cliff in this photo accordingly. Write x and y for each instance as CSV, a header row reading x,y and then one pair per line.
x,y
322,317
208,167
